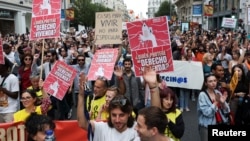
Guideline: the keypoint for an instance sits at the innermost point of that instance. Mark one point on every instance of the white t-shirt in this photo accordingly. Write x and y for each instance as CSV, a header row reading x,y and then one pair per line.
x,y
104,133
8,104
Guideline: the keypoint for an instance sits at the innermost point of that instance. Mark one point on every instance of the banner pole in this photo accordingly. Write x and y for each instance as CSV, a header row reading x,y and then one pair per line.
x,y
41,70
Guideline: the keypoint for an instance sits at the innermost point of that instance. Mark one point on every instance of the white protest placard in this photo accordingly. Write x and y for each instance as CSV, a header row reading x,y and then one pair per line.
x,y
229,22
186,74
108,28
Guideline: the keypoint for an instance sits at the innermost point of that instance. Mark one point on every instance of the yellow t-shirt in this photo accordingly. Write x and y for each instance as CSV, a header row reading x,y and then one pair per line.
x,y
95,106
39,93
21,115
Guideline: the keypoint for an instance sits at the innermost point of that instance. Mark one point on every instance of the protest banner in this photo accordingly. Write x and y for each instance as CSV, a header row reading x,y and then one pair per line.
x,y
150,44
108,28
45,21
1,52
64,131
103,64
228,22
186,74
59,79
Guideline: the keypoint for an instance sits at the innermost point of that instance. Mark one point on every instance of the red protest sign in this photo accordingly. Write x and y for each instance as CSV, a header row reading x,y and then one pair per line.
x,y
103,64
59,79
1,52
150,44
45,22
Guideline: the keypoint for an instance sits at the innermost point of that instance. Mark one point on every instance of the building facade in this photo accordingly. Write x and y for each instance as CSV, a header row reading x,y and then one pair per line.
x,y
153,7
15,16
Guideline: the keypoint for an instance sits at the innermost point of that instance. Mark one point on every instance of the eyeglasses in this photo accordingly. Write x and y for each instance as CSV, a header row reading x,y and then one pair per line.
x,y
48,55
25,98
121,102
80,60
27,59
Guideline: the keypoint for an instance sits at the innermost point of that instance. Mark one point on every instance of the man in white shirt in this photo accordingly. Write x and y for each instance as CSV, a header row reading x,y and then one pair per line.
x,y
120,124
9,88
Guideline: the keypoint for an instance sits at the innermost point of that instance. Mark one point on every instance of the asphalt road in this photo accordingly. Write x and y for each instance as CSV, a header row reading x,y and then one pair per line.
x,y
191,123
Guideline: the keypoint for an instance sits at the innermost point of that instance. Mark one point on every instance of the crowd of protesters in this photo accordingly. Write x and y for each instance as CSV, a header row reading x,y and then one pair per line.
x,y
222,53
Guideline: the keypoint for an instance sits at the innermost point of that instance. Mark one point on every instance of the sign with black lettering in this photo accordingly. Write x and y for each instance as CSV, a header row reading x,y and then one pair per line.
x,y
108,27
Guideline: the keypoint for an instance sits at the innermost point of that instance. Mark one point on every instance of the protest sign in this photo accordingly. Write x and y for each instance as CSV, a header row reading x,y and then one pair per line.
x,y
229,22
150,44
45,21
59,79
186,74
108,27
103,64
16,131
1,52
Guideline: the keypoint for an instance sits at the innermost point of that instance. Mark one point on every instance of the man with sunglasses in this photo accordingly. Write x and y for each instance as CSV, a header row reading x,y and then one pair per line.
x,y
120,124
80,67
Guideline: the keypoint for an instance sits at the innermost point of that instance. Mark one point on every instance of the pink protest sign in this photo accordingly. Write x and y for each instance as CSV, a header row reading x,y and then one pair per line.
x,y
1,52
45,22
59,79
103,64
150,44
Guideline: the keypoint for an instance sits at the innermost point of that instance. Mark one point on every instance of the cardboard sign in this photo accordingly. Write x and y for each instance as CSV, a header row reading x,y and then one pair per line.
x,y
45,21
108,27
59,79
1,52
103,64
150,44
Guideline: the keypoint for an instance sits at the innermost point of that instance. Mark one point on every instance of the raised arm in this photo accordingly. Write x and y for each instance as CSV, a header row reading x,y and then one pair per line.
x,y
82,121
149,76
118,73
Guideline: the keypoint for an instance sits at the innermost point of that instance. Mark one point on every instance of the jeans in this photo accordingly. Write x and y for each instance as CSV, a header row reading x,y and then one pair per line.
x,y
184,98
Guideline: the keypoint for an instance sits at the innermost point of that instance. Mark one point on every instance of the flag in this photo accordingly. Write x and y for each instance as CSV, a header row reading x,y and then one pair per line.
x,y
208,10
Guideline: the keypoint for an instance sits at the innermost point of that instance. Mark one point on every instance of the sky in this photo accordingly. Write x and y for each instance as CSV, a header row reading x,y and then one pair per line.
x,y
138,6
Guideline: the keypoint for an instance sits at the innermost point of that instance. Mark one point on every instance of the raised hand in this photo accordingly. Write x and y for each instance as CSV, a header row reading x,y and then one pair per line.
x,y
82,81
118,71
149,76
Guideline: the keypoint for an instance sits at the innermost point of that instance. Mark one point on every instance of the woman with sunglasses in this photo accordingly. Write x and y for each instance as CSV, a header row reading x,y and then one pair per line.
x,y
30,101
25,71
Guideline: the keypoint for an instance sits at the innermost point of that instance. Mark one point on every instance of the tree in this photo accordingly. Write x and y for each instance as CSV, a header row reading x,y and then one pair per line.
x,y
85,12
166,9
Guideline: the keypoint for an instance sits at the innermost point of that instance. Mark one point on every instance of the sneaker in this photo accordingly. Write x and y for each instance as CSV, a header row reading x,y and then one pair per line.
x,y
181,109
187,109
70,114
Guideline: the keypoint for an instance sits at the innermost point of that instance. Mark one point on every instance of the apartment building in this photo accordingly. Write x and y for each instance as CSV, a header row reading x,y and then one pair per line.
x,y
15,16
192,11
153,7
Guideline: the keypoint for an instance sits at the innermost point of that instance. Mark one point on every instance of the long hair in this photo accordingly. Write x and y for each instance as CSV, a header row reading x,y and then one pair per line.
x,y
126,107
165,92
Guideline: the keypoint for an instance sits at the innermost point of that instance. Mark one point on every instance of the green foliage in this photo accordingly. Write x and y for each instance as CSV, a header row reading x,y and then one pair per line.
x,y
164,9
85,12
